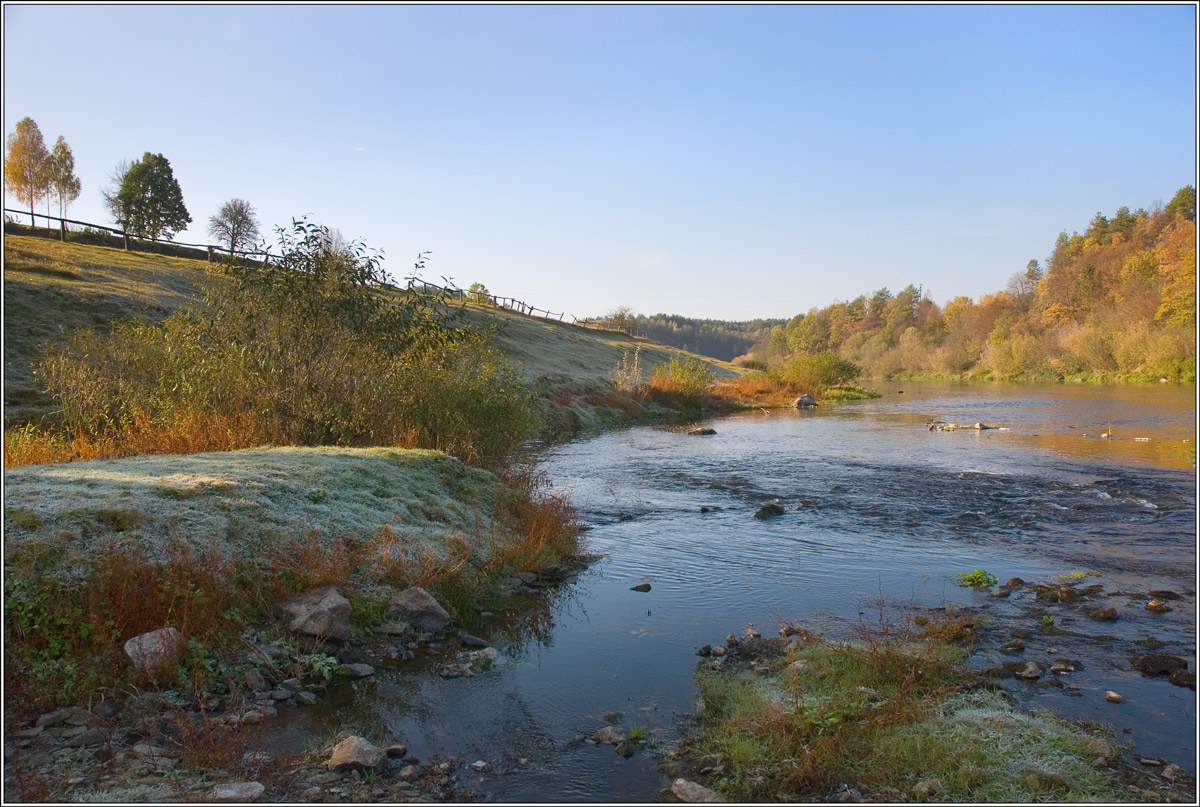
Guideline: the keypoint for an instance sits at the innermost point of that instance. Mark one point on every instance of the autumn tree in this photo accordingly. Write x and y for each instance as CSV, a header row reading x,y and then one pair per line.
x,y
150,200
26,163
235,224
62,175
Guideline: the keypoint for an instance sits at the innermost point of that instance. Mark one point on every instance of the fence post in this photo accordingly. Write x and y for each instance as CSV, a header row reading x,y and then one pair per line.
x,y
125,235
210,253
62,229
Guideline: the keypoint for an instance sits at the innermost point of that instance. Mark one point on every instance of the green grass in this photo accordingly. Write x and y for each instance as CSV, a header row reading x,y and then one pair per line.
x,y
884,714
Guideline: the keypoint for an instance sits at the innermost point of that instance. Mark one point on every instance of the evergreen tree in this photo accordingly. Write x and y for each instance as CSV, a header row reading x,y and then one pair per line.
x,y
150,200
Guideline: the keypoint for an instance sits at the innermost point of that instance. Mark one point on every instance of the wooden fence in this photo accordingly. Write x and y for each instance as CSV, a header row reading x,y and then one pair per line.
x,y
109,236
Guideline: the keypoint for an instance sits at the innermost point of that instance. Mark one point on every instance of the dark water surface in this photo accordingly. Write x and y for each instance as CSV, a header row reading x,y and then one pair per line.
x,y
876,507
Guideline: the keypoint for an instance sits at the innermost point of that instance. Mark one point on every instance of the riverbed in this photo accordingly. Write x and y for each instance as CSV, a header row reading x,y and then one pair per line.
x,y
878,509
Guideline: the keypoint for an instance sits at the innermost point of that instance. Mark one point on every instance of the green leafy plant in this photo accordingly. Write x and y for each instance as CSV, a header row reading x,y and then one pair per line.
x,y
976,579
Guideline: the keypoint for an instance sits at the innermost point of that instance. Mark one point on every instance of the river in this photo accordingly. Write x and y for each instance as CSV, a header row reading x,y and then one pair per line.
x,y
877,507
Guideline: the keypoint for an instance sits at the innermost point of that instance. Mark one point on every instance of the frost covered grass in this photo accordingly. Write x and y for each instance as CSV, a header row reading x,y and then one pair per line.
x,y
98,552
893,715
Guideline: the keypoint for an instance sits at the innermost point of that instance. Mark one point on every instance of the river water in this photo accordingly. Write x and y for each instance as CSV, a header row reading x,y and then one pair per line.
x,y
877,507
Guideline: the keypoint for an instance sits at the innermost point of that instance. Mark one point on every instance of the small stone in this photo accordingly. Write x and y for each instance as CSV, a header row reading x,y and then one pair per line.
x,y
306,697
1113,697
1013,648
1171,773
1064,665
322,612
255,681
147,750
473,641
1157,606
718,650
1100,747
1151,761
640,587
1158,663
292,684
396,751
480,766
394,628
355,752
1104,614
693,793
752,633
1030,671
704,650
926,788
419,608
408,773
769,511
252,717
154,651
237,792
609,735
1014,582
358,670
702,432
280,694
626,748
53,718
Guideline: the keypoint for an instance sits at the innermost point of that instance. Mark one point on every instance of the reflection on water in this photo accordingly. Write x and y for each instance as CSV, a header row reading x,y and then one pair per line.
x,y
875,505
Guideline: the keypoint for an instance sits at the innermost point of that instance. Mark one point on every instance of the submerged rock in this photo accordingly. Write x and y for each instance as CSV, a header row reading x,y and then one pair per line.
x,y
643,587
1158,663
769,511
702,432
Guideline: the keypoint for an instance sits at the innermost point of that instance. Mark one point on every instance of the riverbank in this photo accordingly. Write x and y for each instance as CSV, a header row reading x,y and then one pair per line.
x,y
895,711
174,602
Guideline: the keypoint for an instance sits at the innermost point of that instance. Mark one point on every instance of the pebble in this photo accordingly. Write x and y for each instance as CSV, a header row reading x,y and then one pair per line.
x,y
358,670
306,697
1113,697
480,765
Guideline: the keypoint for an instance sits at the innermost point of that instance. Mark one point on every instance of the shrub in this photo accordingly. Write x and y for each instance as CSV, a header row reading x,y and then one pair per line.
x,y
684,377
815,373
309,350
628,373
976,579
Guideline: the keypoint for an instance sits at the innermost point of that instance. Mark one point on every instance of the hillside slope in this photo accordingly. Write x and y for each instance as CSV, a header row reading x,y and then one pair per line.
x,y
51,288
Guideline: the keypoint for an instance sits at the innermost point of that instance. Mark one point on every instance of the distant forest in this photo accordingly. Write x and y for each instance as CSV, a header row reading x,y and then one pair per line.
x,y
1118,300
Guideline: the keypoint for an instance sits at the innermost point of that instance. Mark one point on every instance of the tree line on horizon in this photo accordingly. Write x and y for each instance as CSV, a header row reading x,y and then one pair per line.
x,y
1117,300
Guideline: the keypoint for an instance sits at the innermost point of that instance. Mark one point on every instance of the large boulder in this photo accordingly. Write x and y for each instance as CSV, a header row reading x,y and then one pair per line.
x,y
804,401
321,612
152,652
417,607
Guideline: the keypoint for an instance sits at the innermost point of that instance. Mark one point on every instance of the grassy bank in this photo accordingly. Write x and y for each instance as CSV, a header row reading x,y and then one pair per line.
x,y
891,715
97,552
51,289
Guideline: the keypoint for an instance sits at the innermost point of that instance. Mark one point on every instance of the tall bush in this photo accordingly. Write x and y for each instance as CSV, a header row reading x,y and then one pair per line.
x,y
815,373
309,350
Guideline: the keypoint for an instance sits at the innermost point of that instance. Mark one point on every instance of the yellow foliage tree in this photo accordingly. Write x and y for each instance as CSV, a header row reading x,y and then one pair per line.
x,y
1176,253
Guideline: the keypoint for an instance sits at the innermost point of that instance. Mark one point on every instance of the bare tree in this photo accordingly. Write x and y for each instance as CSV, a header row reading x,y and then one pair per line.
x,y
235,224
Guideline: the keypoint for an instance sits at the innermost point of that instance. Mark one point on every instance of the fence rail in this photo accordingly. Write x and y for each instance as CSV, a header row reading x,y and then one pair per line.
x,y
102,235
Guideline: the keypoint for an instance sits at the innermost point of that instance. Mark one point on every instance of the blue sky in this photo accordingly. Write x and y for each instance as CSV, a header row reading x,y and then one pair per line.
x,y
715,161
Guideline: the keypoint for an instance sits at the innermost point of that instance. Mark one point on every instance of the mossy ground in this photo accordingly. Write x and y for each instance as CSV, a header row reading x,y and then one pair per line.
x,y
892,715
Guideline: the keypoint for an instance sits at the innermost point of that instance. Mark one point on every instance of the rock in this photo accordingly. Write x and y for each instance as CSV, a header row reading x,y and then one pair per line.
x,y
355,752
1100,747
396,751
408,773
395,628
1164,594
237,792
702,432
804,401
1062,665
694,793
53,718
1182,678
1030,671
417,607
1113,697
1013,648
1158,663
306,697
483,659
1068,594
472,641
609,735
321,612
1014,582
926,788
292,685
255,681
718,650
358,670
1104,614
152,652
643,587
280,694
252,717
704,650
87,737
752,633
1171,772
769,511
479,765
800,665
1157,606
626,748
